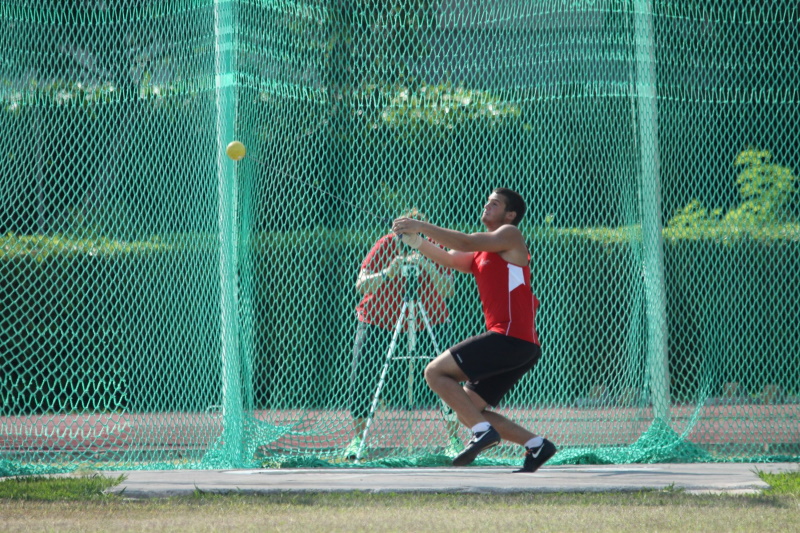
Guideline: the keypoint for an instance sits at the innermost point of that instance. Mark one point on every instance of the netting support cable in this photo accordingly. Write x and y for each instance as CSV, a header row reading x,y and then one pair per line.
x,y
230,349
657,373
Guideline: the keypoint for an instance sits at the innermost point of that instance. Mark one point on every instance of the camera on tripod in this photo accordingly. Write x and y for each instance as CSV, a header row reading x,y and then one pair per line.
x,y
411,311
408,270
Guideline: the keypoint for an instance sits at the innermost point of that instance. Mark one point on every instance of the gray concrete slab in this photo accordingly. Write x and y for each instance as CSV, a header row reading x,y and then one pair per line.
x,y
693,478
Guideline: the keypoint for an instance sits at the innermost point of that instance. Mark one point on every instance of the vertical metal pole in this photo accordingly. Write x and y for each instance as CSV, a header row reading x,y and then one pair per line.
x,y
652,238
411,348
232,433
412,283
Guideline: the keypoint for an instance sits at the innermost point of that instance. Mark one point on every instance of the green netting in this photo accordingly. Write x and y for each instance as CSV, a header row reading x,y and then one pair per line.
x,y
165,307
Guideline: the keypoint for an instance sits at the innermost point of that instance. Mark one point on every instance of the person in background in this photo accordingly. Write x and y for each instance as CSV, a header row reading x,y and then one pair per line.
x,y
382,282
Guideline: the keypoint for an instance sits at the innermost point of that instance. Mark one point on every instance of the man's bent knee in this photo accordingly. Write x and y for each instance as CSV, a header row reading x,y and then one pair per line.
x,y
444,366
432,373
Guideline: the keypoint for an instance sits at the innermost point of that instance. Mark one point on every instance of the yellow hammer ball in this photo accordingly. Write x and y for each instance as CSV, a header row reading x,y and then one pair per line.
x,y
236,150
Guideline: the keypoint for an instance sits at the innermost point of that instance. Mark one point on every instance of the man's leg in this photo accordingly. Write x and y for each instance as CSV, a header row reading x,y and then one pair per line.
x,y
352,449
363,380
538,450
359,424
444,377
509,430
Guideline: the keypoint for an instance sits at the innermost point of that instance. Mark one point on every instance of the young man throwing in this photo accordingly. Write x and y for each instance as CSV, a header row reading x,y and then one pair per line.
x,y
493,362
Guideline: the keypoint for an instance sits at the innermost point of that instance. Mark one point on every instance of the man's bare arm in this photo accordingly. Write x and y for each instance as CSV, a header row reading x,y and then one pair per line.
x,y
506,240
442,279
460,261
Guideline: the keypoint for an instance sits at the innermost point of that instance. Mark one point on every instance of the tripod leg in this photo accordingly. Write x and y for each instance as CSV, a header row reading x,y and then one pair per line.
x,y
411,348
376,397
448,414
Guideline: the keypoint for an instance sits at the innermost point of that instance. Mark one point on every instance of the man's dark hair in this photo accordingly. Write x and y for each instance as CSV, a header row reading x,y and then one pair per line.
x,y
514,202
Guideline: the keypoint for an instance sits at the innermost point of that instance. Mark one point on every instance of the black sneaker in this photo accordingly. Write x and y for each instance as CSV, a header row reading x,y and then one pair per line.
x,y
536,457
479,442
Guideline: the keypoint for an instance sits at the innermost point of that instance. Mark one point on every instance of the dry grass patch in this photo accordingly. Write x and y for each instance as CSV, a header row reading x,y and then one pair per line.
x,y
625,512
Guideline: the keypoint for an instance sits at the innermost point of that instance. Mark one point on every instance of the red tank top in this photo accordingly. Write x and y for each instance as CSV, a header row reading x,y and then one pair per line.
x,y
509,305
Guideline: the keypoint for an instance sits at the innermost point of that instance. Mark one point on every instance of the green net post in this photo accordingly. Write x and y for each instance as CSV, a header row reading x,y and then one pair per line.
x,y
652,240
232,435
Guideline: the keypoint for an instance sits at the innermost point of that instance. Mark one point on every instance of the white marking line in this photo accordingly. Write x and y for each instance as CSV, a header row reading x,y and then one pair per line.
x,y
385,471
288,472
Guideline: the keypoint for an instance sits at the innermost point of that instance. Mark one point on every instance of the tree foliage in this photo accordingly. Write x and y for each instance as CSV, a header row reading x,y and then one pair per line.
x,y
767,194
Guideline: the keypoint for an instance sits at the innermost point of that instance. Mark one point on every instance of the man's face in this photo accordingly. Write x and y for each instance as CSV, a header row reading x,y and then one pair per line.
x,y
494,212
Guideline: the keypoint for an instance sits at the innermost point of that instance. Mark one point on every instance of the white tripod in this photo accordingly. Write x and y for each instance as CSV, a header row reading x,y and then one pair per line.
x,y
408,314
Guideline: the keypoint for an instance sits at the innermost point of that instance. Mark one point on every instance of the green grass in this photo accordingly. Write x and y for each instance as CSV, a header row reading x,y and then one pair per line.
x,y
787,483
78,503
58,488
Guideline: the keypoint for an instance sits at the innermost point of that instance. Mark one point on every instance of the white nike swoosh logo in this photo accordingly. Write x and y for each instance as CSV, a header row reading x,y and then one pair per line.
x,y
535,455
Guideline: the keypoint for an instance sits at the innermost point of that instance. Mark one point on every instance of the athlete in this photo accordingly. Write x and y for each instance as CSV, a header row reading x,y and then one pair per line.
x,y
491,363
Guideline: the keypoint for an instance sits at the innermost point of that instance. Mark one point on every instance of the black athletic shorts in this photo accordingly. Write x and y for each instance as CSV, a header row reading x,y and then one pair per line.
x,y
494,363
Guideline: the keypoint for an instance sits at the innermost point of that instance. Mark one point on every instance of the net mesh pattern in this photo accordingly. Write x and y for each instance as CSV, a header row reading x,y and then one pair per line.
x,y
166,307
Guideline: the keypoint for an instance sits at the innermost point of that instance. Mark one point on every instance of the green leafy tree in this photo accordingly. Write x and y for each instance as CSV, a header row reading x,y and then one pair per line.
x,y
766,189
